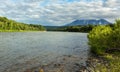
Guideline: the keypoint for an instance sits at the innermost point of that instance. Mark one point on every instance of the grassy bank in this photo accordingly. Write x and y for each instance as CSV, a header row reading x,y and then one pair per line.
x,y
113,64
105,44
104,63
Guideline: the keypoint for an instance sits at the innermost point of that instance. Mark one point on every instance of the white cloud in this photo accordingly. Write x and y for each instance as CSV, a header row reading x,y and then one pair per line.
x,y
59,12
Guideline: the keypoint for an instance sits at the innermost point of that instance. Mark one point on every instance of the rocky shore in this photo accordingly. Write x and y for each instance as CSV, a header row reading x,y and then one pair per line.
x,y
95,63
71,64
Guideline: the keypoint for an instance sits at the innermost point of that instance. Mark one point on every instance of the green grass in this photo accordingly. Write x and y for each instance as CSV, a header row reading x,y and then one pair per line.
x,y
113,64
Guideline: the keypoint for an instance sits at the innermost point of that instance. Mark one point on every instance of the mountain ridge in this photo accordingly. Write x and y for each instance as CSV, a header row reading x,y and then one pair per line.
x,y
88,21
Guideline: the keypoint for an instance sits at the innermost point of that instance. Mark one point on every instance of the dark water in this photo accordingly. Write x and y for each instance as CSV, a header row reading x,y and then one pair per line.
x,y
22,50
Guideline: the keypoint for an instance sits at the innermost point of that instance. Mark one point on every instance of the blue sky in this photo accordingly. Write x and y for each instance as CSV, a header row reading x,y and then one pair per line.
x,y
59,12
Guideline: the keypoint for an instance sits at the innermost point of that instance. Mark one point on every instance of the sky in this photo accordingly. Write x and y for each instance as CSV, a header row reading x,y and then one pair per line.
x,y
59,12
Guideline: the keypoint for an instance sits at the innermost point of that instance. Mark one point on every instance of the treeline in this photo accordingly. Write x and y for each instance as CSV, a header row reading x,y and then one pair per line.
x,y
105,38
85,28
11,25
80,28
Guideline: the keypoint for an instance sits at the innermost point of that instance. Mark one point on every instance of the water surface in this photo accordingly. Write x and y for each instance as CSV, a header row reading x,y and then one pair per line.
x,y
22,50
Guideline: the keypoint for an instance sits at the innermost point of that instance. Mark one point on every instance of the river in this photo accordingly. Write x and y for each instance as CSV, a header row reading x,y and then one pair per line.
x,y
23,50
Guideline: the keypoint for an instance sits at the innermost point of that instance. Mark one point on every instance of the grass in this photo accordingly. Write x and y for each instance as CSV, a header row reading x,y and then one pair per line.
x,y
112,65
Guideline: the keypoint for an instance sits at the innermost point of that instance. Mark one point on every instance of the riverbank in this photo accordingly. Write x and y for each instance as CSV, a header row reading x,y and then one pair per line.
x,y
105,44
20,31
95,63
104,63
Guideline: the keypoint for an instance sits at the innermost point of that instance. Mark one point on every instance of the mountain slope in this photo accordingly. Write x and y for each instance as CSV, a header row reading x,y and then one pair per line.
x,y
88,21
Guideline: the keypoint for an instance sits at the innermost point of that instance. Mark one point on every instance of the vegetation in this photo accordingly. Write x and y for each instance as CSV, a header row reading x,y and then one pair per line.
x,y
85,28
105,42
103,38
105,63
11,25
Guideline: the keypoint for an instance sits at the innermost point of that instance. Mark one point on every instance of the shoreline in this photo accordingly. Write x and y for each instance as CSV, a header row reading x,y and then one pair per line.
x,y
92,64
22,31
104,63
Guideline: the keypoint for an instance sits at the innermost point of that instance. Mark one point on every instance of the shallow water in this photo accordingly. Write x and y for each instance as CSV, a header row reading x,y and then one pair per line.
x,y
22,50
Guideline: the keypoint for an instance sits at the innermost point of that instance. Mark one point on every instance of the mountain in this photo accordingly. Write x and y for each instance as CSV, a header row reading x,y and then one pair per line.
x,y
88,21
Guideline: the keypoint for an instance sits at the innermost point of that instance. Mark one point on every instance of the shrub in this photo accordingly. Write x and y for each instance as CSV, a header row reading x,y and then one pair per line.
x,y
102,38
98,38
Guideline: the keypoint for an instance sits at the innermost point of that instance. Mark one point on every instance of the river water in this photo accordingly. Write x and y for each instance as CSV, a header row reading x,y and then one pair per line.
x,y
23,50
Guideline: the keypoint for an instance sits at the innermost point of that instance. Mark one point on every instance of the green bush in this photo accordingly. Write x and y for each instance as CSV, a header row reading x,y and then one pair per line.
x,y
102,38
114,37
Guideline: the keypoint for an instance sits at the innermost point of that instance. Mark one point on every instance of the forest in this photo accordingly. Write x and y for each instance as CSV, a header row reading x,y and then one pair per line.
x,y
78,28
11,25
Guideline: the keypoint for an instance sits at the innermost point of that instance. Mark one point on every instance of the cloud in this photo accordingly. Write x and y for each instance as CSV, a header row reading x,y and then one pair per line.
x,y
59,12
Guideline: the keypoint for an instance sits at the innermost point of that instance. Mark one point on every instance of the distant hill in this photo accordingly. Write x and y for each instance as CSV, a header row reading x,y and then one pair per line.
x,y
88,21
11,25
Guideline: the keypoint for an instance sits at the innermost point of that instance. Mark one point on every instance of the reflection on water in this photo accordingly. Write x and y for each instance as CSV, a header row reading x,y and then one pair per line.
x,y
22,50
